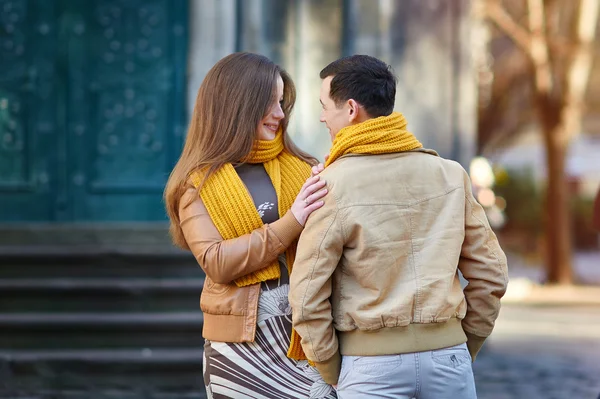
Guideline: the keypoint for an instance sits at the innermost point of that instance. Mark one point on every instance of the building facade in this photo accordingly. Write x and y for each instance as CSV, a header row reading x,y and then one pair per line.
x,y
95,95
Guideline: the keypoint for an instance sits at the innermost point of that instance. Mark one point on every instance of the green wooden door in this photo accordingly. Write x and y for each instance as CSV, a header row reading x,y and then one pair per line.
x,y
91,107
29,111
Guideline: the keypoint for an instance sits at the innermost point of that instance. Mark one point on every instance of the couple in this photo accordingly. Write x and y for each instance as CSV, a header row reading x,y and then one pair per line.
x,y
360,300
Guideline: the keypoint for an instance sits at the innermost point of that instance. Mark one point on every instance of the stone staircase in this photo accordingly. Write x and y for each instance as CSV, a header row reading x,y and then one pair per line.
x,y
83,325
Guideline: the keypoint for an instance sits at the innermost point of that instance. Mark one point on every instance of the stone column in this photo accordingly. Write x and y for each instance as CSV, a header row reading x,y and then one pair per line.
x,y
263,27
315,32
212,37
427,42
465,86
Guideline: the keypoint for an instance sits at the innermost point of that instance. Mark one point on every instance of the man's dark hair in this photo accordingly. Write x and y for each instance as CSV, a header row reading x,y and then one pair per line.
x,y
365,79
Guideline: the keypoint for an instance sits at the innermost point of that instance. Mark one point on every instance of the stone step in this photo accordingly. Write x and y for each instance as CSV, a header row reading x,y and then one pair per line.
x,y
83,264
120,374
83,324
100,330
99,294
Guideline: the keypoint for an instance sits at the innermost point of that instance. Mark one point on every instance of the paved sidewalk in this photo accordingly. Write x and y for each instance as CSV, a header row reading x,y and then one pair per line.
x,y
537,369
546,343
541,351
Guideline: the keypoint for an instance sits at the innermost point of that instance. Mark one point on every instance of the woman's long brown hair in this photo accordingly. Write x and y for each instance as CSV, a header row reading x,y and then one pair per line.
x,y
232,101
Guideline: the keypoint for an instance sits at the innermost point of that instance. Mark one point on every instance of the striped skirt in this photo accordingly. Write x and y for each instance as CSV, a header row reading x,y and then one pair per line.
x,y
261,369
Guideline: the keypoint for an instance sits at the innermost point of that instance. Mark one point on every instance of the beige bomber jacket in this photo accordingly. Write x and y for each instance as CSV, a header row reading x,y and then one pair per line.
x,y
230,311
376,270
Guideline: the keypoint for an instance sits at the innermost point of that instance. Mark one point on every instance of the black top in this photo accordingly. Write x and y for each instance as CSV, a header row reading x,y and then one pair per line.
x,y
261,189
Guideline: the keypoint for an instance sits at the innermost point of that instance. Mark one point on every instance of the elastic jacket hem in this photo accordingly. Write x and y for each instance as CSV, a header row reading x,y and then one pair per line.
x,y
406,339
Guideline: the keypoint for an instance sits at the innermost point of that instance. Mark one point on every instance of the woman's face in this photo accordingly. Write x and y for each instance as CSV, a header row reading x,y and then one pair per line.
x,y
267,129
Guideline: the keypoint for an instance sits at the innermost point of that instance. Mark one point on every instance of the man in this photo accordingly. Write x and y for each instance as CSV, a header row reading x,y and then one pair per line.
x,y
375,288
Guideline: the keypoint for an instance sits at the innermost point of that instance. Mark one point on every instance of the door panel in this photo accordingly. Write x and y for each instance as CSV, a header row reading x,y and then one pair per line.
x,y
91,107
126,106
29,120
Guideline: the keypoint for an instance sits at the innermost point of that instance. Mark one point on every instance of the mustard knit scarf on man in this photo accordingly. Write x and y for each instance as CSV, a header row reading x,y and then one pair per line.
x,y
382,135
234,214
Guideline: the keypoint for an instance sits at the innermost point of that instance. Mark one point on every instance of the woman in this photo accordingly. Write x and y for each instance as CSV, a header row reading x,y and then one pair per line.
x,y
238,198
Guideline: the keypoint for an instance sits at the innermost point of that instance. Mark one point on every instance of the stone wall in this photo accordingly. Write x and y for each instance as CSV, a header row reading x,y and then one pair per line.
x,y
426,41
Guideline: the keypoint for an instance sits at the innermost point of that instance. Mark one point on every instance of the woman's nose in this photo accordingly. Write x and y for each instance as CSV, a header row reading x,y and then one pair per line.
x,y
278,112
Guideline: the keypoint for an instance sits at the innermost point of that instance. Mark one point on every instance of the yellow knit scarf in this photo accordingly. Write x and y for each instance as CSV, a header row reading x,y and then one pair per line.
x,y
382,135
234,214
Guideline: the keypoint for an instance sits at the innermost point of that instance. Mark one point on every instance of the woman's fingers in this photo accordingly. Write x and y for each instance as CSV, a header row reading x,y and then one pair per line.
x,y
317,169
318,195
312,207
309,181
309,198
311,188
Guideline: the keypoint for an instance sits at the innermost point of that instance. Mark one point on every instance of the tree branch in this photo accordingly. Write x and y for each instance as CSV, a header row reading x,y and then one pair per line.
x,y
508,108
578,70
494,11
539,47
560,47
508,133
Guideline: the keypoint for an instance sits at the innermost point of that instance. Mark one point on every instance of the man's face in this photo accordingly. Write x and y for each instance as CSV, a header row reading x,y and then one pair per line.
x,y
334,118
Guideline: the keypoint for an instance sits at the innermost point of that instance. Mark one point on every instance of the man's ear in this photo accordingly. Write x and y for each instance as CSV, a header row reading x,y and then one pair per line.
x,y
353,110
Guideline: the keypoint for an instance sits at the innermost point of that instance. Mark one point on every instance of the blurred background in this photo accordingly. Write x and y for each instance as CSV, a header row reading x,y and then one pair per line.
x,y
95,97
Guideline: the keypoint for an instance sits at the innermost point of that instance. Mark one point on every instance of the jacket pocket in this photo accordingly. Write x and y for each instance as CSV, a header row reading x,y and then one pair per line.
x,y
214,288
223,299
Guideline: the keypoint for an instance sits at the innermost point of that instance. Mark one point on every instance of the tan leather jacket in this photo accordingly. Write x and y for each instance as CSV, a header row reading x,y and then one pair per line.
x,y
230,311
376,270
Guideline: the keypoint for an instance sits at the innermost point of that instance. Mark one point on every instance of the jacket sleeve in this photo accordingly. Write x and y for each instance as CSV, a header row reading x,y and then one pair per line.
x,y
226,260
319,251
483,264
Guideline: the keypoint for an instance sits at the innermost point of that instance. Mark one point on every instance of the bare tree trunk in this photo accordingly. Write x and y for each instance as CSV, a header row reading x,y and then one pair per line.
x,y
557,212
558,133
554,125
559,111
558,218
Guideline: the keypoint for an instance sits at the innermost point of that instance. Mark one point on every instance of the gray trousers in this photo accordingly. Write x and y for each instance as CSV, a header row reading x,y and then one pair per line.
x,y
438,374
